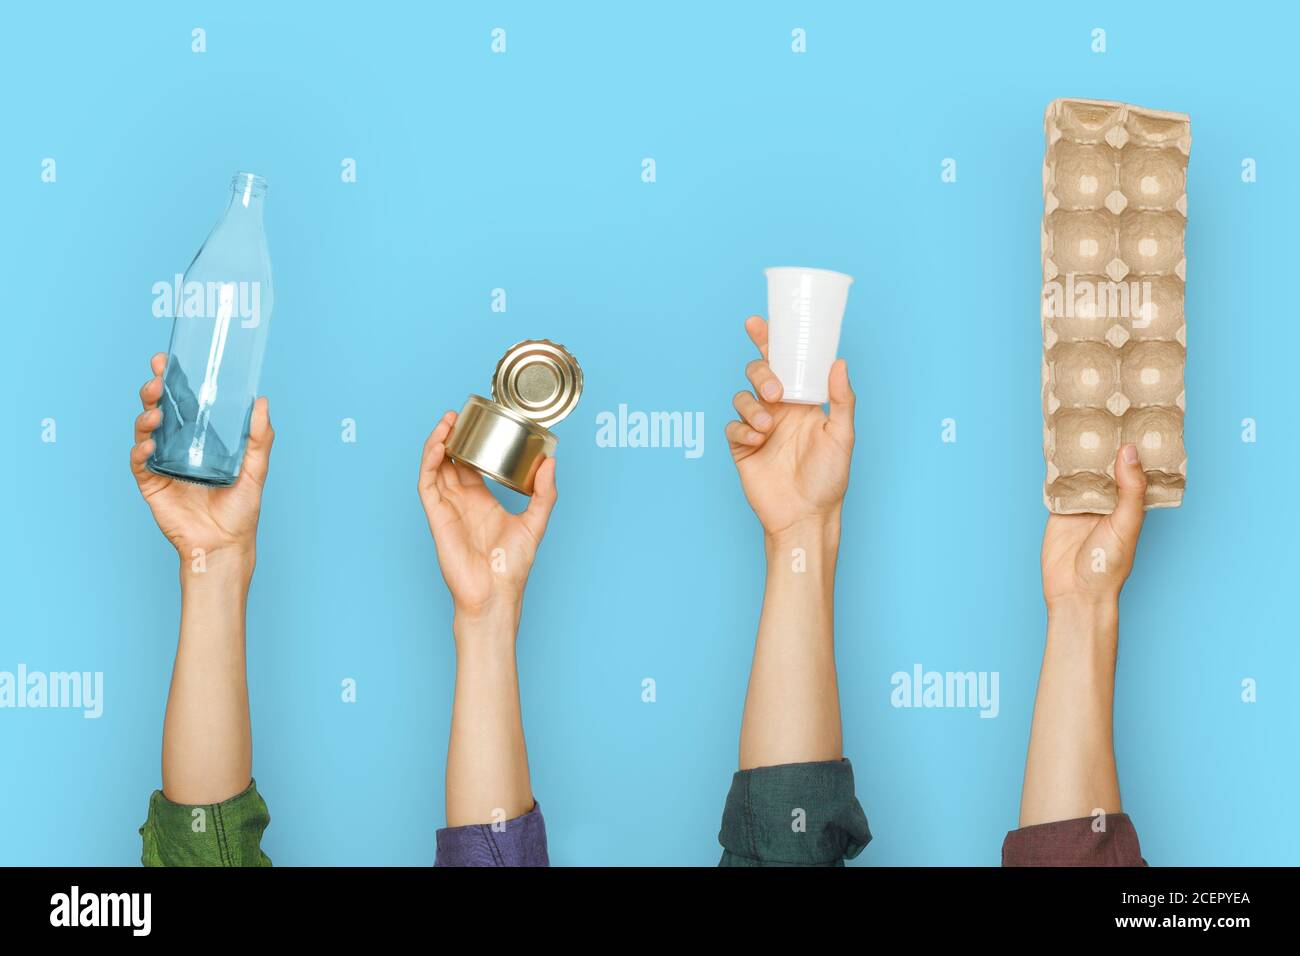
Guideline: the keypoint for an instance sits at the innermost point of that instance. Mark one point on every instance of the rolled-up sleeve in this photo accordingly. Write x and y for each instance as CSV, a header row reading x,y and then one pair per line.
x,y
799,814
1109,840
216,834
520,841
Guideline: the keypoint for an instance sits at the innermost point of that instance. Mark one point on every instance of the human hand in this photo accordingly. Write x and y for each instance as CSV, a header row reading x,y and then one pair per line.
x,y
1087,558
793,460
194,517
484,551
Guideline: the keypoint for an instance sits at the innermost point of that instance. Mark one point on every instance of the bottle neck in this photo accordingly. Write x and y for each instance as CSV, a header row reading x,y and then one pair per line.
x,y
247,198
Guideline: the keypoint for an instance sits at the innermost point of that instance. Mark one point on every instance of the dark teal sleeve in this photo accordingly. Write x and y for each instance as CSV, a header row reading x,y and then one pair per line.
x,y
797,814
216,834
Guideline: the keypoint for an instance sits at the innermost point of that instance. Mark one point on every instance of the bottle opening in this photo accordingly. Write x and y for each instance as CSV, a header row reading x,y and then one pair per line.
x,y
247,186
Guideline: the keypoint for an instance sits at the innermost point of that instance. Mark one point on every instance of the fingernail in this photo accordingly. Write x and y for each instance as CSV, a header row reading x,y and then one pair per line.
x,y
762,420
1130,454
771,390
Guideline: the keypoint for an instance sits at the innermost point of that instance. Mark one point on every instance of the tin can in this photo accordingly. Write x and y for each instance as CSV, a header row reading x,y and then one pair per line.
x,y
536,384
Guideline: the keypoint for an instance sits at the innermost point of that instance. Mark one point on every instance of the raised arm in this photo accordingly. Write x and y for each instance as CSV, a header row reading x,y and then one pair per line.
x,y
792,801
207,736
485,554
1070,810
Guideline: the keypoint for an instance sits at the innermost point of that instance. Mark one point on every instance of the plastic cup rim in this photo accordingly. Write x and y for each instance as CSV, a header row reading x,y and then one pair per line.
x,y
826,272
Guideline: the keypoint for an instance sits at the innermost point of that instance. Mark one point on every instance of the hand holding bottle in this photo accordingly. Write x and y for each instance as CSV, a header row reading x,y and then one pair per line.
x,y
213,520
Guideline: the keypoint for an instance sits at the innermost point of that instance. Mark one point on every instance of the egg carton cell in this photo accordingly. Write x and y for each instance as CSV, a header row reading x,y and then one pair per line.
x,y
1158,434
1085,174
1083,439
1150,242
1083,242
1084,374
1153,179
1151,373
1158,316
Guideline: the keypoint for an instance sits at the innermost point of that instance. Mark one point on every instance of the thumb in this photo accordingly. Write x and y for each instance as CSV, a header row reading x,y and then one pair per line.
x,y
257,457
545,494
1131,480
842,401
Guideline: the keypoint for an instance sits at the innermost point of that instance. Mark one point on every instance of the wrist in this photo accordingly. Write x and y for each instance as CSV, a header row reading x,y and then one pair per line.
x,y
815,533
492,624
222,565
1083,616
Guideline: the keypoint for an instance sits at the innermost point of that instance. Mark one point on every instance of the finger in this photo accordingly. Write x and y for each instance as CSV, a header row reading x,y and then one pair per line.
x,y
449,483
738,433
766,385
1126,520
842,402
151,392
146,479
457,474
757,330
752,410
440,509
545,494
158,362
257,457
466,476
140,453
435,450
146,422
430,459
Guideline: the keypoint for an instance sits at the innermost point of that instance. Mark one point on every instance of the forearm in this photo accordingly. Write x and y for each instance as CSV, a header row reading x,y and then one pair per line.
x,y
1070,771
792,708
207,736
487,761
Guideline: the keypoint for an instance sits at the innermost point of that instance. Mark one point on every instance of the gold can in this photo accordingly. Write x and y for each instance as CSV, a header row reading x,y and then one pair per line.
x,y
536,384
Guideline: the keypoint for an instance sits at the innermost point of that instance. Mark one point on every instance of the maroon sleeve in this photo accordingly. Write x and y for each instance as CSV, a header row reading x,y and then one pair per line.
x,y
1080,842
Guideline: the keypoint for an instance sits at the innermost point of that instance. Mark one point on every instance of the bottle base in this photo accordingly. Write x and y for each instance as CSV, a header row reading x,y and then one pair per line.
x,y
193,476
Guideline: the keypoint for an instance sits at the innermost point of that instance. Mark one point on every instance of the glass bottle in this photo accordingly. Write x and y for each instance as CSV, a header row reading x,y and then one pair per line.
x,y
222,316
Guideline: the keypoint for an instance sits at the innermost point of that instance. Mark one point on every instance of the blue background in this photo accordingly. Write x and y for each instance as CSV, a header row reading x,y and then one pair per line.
x,y
522,171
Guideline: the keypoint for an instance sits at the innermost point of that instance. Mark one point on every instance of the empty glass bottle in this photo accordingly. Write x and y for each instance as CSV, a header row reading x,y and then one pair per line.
x,y
222,316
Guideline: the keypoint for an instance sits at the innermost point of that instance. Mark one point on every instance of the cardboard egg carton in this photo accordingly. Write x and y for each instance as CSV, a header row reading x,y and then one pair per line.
x,y
1114,331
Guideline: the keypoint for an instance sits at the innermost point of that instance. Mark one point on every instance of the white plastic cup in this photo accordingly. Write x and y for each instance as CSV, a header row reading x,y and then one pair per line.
x,y
805,308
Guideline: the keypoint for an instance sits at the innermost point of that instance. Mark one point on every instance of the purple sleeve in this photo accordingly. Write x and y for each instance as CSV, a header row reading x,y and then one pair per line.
x,y
1075,843
517,842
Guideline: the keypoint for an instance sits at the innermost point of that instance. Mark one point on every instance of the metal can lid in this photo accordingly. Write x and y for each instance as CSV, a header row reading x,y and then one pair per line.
x,y
538,379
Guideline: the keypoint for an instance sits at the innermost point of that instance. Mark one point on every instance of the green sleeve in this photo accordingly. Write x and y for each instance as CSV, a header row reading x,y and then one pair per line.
x,y
218,834
798,814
